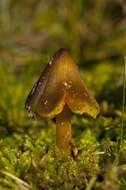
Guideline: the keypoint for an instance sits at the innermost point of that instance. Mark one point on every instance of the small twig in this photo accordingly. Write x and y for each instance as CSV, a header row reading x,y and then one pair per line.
x,y
123,101
16,179
99,153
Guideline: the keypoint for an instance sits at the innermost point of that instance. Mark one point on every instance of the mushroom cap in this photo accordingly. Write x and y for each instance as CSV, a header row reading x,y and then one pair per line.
x,y
60,83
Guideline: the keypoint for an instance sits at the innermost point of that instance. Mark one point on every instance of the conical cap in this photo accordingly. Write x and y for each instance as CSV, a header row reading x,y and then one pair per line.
x,y
60,83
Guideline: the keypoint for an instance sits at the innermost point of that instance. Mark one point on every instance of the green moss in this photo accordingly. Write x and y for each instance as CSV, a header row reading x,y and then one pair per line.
x,y
27,147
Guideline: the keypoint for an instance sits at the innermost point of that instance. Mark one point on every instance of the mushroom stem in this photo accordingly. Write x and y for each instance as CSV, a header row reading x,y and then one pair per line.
x,y
63,130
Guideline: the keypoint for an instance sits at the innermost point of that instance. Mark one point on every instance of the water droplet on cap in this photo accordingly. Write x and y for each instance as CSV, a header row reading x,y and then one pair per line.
x,y
33,89
39,83
50,62
65,84
45,102
30,114
28,108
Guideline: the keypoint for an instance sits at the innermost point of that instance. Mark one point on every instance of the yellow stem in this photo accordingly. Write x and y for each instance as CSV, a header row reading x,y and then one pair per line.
x,y
63,130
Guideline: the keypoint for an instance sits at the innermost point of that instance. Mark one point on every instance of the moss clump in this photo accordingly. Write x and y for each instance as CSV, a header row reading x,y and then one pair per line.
x,y
27,147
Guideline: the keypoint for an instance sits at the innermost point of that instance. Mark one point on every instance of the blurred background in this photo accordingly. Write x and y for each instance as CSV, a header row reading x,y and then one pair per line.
x,y
32,30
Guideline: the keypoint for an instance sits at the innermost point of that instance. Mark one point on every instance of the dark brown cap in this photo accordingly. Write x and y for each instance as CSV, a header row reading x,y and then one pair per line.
x,y
60,83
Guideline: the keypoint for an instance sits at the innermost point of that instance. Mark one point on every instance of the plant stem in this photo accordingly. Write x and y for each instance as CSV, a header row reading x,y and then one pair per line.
x,y
16,179
123,101
63,130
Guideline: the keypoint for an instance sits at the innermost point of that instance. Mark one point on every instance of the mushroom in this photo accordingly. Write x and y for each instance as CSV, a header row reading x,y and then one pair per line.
x,y
58,92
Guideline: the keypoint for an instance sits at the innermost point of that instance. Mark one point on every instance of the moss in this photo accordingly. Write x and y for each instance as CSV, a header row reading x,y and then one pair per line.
x,y
27,147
